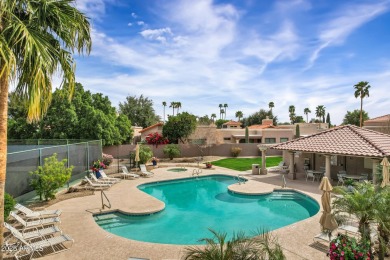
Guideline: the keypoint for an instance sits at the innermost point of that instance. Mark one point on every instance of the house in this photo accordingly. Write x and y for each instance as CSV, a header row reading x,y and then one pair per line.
x,y
380,124
151,129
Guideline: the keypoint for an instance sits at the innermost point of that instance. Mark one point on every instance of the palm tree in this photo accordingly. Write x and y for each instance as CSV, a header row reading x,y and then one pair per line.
x,y
213,116
291,110
382,217
225,106
222,112
307,111
173,106
178,105
362,90
38,39
239,114
263,246
164,105
320,113
220,108
271,105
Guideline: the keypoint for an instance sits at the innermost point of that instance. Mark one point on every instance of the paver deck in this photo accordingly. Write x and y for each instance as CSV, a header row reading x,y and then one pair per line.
x,y
92,242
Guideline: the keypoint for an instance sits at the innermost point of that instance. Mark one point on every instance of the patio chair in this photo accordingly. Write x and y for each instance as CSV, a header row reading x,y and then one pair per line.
x,y
97,185
277,168
40,245
145,172
310,174
39,233
96,180
324,236
35,223
30,214
364,177
105,177
125,173
340,179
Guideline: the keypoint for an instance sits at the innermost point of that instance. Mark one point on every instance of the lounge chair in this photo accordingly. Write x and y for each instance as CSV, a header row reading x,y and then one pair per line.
x,y
32,247
28,213
105,177
35,223
323,237
97,185
276,168
96,180
145,172
125,173
38,233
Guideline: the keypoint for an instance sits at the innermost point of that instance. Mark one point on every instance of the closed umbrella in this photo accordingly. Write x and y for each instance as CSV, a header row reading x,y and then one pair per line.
x,y
327,220
385,172
136,156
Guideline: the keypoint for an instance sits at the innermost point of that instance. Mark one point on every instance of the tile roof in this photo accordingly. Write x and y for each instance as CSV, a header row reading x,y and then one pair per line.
x,y
152,126
231,122
384,118
342,140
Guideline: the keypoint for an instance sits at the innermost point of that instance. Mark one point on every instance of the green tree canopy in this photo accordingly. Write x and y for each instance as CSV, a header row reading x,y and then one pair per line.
x,y
220,122
179,127
362,91
139,111
353,118
257,117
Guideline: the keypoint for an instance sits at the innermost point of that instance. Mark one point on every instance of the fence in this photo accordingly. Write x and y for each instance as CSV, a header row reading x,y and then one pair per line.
x,y
25,156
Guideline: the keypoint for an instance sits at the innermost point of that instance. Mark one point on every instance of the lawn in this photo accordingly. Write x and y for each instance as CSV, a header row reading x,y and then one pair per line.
x,y
244,164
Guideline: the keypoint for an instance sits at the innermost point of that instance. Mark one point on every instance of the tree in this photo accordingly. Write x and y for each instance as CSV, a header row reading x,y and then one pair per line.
x,y
213,116
204,120
239,115
171,150
156,139
328,120
139,111
179,127
353,118
38,39
220,122
307,111
173,106
271,105
222,112
320,113
291,110
178,106
164,105
220,109
257,118
362,91
225,106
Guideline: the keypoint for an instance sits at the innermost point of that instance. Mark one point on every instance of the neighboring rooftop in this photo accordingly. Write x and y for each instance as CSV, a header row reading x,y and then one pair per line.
x,y
385,118
151,127
343,140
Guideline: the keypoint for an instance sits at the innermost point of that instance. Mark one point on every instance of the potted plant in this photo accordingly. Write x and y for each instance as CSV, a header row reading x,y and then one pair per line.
x,y
208,165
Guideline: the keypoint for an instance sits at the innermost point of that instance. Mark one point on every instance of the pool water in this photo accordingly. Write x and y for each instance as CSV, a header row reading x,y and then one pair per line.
x,y
193,205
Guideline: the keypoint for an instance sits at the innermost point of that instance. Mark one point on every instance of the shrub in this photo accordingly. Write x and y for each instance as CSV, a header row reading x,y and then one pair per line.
x,y
235,151
156,139
172,150
345,247
47,179
145,154
9,204
107,159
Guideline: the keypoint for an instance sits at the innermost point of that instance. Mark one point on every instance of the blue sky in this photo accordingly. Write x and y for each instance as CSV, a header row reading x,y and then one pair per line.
x,y
245,53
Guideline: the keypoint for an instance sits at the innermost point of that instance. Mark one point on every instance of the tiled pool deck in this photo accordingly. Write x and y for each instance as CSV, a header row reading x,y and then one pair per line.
x,y
92,242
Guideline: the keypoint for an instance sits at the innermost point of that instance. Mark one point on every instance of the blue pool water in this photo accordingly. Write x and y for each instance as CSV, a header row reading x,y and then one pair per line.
x,y
196,204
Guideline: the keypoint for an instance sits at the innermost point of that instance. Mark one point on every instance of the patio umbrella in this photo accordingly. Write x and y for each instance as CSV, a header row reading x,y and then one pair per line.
x,y
385,171
327,220
136,156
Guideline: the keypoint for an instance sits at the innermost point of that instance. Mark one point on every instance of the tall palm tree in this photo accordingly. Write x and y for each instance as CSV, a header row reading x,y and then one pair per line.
x,y
220,108
178,105
291,110
173,106
213,116
320,113
37,39
362,91
222,112
307,111
164,105
271,105
225,106
239,114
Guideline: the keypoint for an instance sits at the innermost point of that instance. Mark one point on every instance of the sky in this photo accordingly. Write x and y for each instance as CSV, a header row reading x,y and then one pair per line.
x,y
245,53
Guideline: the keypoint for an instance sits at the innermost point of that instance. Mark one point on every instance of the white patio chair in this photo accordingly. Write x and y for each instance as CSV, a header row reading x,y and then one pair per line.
x,y
340,179
125,173
39,233
96,185
96,180
30,214
105,177
35,223
277,168
310,174
145,172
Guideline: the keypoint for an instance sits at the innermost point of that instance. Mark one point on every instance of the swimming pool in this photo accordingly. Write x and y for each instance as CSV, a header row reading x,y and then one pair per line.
x,y
195,204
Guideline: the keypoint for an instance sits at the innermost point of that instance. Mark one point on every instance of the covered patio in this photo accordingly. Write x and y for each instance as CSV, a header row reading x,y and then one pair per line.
x,y
345,148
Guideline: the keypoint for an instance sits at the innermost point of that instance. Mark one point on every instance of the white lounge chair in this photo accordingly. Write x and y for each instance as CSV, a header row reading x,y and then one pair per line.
x,y
28,213
125,173
96,180
38,233
97,185
145,172
37,246
35,223
105,177
276,168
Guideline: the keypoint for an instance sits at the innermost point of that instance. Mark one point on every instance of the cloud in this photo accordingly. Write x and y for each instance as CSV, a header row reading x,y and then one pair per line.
x,y
141,23
93,8
129,24
134,15
157,34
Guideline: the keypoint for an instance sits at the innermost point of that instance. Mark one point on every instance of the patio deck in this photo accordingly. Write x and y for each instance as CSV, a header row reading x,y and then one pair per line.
x,y
92,242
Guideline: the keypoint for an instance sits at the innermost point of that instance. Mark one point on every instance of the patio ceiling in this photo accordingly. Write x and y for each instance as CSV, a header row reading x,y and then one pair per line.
x,y
346,140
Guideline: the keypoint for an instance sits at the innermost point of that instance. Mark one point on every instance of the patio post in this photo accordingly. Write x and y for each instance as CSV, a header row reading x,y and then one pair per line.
x,y
327,166
375,163
291,165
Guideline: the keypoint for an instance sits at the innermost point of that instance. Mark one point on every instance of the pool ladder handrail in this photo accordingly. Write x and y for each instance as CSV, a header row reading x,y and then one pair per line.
x,y
239,179
196,172
105,196
284,183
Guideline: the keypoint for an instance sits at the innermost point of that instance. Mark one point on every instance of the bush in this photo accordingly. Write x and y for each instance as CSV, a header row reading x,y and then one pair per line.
x,y
9,204
235,151
107,159
345,247
47,179
172,150
145,154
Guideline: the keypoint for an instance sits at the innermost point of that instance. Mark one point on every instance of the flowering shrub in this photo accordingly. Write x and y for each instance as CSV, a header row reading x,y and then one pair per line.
x,y
107,159
235,151
156,139
98,165
344,247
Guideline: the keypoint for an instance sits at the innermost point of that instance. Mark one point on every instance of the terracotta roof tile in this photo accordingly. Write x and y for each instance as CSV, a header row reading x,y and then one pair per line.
x,y
231,122
152,126
384,118
343,140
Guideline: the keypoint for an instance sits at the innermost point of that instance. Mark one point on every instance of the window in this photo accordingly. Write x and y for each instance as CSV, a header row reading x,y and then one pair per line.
x,y
283,139
270,140
226,138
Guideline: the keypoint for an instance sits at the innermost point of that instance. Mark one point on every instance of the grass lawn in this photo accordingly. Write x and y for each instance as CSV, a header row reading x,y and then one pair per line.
x,y
244,164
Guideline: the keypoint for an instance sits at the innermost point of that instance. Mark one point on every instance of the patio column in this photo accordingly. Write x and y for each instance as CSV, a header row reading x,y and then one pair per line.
x,y
262,149
291,172
327,166
375,163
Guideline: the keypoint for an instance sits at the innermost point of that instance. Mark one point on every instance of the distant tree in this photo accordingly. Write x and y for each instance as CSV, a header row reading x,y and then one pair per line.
x,y
222,112
271,105
213,116
307,111
225,106
257,118
220,109
239,115
179,127
178,106
204,120
291,111
164,105
220,122
173,106
297,131
320,113
139,111
353,118
328,120
299,119
362,90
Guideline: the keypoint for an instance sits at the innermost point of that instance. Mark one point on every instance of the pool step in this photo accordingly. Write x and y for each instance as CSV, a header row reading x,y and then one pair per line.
x,y
285,196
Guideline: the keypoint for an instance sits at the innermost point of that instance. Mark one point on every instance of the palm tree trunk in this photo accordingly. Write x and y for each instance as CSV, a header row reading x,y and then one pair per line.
x,y
361,111
3,148
307,118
